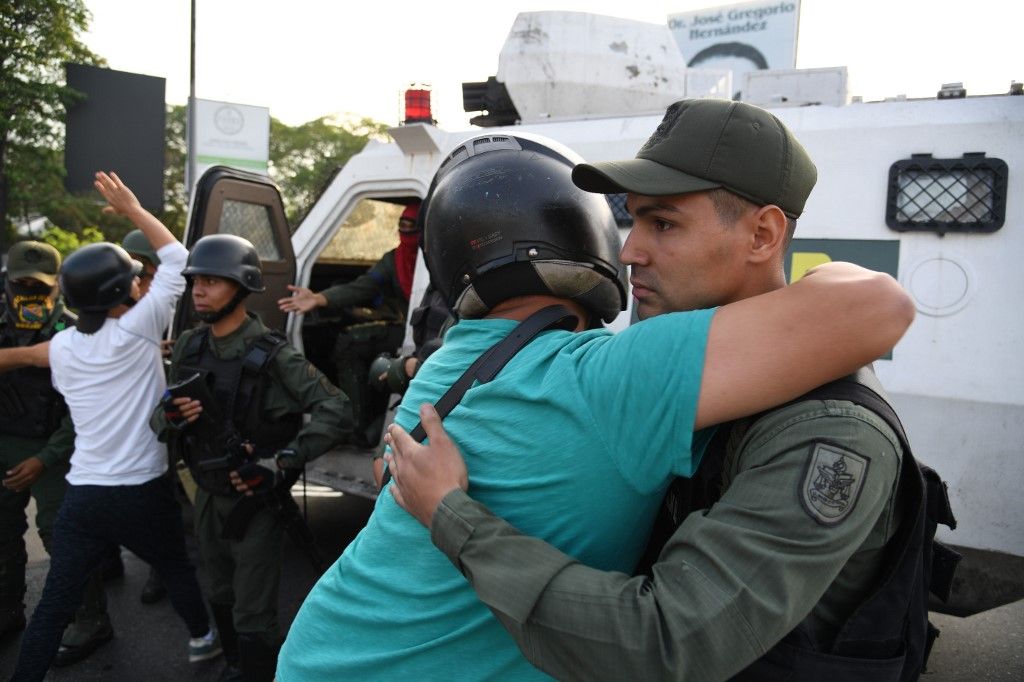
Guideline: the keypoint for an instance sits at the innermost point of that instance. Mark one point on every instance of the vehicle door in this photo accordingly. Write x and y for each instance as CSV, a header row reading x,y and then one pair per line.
x,y
230,201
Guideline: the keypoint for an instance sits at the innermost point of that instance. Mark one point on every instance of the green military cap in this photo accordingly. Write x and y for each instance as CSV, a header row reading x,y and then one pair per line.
x,y
37,260
704,144
136,244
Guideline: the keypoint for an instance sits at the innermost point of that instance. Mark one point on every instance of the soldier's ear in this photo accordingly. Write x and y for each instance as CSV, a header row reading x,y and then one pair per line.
x,y
768,233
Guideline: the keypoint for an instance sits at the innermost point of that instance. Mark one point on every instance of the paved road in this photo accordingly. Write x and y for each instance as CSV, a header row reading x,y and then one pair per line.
x,y
150,642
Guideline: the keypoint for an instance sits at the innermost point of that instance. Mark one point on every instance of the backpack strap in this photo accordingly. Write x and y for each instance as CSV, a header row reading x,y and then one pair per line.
x,y
939,561
195,346
258,357
491,361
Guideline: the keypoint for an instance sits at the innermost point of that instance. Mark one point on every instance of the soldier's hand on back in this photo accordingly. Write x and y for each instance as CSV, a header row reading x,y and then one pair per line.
x,y
423,474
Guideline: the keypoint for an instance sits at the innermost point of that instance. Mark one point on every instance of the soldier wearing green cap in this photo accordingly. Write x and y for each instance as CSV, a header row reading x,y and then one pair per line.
x,y
139,248
36,441
801,548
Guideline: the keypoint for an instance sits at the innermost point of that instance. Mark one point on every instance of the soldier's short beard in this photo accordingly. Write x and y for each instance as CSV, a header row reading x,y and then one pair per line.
x,y
218,315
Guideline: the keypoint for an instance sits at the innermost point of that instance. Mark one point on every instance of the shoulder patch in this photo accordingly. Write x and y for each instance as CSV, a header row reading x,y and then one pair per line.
x,y
328,387
832,482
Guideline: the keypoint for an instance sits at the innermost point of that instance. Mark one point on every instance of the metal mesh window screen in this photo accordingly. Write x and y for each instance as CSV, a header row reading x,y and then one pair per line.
x,y
370,231
251,221
947,195
617,202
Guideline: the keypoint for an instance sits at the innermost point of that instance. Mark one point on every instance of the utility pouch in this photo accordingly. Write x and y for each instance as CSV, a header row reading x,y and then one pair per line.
x,y
237,521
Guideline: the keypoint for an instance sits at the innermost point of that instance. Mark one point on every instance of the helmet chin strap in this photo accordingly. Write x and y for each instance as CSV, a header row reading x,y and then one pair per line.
x,y
218,315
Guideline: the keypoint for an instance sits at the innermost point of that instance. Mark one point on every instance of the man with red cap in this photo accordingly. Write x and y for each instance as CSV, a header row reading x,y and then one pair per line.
x,y
378,302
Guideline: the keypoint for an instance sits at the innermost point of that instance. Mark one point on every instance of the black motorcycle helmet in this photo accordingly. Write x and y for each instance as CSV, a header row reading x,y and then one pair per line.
x,y
503,219
97,278
227,256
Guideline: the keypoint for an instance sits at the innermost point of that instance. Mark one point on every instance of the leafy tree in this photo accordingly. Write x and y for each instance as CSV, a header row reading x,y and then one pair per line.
x,y
36,38
175,155
66,241
303,158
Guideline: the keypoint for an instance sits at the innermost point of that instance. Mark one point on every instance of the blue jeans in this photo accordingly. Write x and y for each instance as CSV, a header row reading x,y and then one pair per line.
x,y
144,518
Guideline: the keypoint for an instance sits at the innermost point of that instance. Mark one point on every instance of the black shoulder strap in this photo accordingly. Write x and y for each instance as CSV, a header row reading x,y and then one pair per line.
x,y
855,389
262,351
258,356
195,346
497,356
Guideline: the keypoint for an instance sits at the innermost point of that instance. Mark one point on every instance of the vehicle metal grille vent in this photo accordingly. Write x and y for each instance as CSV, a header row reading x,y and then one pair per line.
x,y
617,202
253,222
947,195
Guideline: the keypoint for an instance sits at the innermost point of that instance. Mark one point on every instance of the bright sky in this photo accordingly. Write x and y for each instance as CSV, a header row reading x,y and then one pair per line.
x,y
308,58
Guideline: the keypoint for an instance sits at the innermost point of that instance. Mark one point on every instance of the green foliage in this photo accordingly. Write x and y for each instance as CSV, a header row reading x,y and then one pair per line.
x,y
36,38
66,241
303,158
175,154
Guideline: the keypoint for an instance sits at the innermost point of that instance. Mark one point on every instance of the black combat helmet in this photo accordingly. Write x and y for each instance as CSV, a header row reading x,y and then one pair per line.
x,y
227,256
95,279
503,219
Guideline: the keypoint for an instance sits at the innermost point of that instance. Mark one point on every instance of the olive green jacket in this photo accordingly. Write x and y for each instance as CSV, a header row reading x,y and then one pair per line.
x,y
729,584
296,386
378,288
55,450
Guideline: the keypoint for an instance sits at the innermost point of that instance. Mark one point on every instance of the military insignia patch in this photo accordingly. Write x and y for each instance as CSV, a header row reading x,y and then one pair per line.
x,y
328,387
832,483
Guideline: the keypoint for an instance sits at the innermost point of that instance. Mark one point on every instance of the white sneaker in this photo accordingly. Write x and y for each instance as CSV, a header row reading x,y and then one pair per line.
x,y
205,647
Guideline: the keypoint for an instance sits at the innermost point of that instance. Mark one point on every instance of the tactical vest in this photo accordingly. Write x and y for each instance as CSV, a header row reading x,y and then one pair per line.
x,y
429,321
29,405
238,387
887,637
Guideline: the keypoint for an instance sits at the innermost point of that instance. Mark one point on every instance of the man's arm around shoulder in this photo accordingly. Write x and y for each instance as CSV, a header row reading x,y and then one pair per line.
x,y
765,350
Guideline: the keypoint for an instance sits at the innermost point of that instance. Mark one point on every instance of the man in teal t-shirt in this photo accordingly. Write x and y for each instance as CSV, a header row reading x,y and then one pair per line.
x,y
576,438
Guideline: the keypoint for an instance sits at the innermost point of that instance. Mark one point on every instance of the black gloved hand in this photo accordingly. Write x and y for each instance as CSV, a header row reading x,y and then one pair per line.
x,y
288,458
172,413
258,477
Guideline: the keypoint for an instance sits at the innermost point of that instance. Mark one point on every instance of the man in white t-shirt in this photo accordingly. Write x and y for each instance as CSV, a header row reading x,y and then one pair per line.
x,y
109,371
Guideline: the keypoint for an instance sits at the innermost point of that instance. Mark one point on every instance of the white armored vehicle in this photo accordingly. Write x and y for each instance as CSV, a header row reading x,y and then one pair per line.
x,y
930,191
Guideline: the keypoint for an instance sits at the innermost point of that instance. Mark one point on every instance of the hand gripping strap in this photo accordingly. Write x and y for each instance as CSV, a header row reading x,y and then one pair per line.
x,y
497,356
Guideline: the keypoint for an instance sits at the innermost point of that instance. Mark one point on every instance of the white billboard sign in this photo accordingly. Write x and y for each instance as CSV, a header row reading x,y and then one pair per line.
x,y
235,135
742,38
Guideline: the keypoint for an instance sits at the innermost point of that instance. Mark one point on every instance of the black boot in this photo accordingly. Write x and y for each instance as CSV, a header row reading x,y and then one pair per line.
x,y
12,619
258,657
154,589
228,640
91,628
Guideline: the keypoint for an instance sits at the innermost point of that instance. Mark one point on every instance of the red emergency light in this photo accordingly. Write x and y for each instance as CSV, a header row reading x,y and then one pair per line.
x,y
417,105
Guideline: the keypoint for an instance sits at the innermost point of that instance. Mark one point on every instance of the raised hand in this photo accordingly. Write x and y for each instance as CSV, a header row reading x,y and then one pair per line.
x,y
120,199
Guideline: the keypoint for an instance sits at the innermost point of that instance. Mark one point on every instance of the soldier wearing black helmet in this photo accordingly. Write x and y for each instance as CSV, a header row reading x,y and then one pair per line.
x,y
578,435
244,443
110,373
